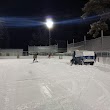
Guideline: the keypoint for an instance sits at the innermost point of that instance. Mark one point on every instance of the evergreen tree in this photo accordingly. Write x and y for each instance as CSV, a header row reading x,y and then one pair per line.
x,y
100,8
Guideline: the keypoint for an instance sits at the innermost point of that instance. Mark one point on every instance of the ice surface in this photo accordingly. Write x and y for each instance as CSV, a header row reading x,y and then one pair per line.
x,y
52,84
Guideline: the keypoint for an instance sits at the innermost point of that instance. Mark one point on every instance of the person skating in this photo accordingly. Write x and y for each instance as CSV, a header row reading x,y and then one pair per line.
x,y
35,57
72,61
95,57
49,55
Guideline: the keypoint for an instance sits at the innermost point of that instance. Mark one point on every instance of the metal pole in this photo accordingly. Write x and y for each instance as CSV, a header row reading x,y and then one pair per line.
x,y
102,39
49,37
73,43
67,42
67,45
85,42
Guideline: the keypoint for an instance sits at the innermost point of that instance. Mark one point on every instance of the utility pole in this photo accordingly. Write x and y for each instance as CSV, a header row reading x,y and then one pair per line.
x,y
73,44
85,42
102,39
49,37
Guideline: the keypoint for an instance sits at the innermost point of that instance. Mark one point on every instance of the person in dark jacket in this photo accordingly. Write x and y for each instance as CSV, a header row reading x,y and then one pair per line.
x,y
49,55
35,57
95,57
73,59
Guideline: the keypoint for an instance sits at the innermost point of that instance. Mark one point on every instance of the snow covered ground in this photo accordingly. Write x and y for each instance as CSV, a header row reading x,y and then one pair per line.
x,y
52,84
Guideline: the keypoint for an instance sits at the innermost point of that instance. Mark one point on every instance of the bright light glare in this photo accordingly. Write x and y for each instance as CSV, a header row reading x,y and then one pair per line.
x,y
49,23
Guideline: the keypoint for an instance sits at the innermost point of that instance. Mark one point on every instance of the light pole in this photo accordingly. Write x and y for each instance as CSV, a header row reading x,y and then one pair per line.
x,y
49,23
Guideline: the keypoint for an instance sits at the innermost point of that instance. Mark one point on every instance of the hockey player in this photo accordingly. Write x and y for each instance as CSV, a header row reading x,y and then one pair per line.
x,y
35,57
49,55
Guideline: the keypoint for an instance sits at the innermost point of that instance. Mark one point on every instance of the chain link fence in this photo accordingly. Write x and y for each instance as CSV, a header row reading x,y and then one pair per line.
x,y
98,44
103,54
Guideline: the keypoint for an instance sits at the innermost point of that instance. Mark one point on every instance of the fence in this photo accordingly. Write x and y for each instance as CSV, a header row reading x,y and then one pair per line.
x,y
102,57
26,53
11,52
98,44
43,49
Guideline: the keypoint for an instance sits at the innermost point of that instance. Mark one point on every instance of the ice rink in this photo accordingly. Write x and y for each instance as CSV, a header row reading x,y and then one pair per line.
x,y
52,84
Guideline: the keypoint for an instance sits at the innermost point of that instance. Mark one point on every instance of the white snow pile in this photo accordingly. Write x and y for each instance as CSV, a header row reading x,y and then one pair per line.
x,y
52,84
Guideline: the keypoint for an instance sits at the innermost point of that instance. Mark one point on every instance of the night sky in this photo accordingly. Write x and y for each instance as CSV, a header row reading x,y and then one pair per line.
x,y
59,10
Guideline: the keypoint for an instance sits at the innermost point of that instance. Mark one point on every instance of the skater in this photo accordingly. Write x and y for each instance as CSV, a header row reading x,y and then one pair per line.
x,y
72,61
95,57
49,55
35,57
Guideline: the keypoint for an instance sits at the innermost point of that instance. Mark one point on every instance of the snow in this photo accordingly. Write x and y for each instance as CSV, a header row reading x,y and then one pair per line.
x,y
52,84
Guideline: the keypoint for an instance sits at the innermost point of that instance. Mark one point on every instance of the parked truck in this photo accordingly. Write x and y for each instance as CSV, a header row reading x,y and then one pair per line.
x,y
83,57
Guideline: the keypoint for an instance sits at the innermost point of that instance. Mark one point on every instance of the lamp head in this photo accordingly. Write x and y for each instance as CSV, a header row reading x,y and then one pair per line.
x,y
49,23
